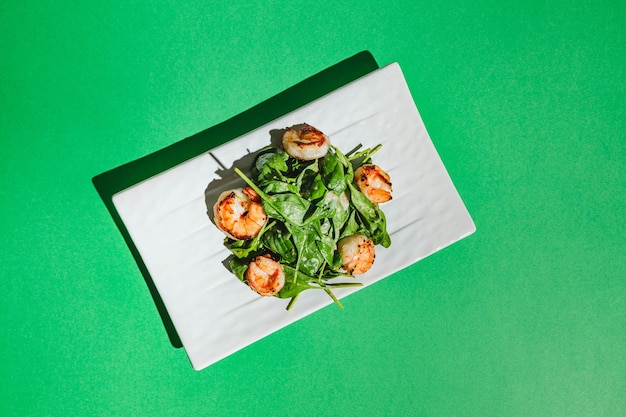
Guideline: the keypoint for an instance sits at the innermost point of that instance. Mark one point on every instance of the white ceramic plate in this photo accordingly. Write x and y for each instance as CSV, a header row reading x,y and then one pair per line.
x,y
166,216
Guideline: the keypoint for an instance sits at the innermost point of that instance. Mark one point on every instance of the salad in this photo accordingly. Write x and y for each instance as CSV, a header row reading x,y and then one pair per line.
x,y
308,214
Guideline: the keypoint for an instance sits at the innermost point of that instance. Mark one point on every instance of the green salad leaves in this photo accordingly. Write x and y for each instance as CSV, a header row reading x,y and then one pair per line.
x,y
310,206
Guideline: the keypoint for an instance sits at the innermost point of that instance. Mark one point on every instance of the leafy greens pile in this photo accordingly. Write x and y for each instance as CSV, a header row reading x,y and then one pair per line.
x,y
310,206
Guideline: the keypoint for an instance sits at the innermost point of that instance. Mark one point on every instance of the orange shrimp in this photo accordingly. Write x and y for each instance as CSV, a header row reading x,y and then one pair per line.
x,y
265,276
357,253
305,143
239,213
374,183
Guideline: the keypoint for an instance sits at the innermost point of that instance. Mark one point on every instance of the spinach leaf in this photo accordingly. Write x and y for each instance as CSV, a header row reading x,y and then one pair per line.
x,y
238,267
362,203
310,206
377,229
278,240
295,282
310,184
277,187
271,164
333,172
288,207
310,259
327,246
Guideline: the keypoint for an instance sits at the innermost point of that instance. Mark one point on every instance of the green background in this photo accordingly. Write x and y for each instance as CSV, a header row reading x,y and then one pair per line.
x,y
525,102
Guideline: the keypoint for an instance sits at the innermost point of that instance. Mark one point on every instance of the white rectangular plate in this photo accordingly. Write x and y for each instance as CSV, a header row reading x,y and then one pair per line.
x,y
166,216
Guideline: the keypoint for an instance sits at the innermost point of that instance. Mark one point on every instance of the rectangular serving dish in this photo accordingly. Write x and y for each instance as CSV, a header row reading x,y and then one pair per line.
x,y
166,215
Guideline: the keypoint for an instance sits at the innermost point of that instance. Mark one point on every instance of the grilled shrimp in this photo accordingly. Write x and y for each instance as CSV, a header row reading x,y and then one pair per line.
x,y
265,276
239,213
357,253
373,182
305,143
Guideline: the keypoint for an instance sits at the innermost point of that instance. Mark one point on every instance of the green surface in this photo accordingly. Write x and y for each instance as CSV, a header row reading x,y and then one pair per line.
x,y
525,101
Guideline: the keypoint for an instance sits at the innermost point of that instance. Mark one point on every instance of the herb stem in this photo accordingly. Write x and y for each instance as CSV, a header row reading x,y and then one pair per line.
x,y
256,188
344,284
293,301
335,299
365,154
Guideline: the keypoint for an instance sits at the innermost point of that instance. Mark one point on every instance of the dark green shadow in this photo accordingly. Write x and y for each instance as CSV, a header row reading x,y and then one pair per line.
x,y
111,182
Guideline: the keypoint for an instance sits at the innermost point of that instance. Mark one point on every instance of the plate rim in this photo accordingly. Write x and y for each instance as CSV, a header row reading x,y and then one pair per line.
x,y
451,195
